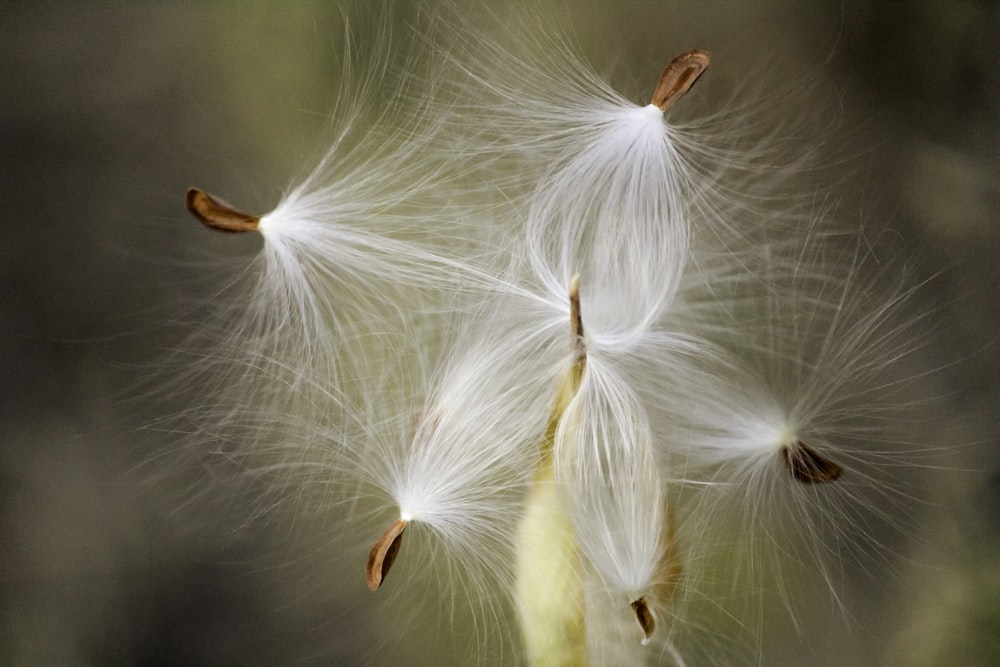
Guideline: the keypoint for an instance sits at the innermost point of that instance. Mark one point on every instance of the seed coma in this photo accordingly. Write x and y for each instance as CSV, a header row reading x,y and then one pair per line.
x,y
383,554
217,214
809,466
678,77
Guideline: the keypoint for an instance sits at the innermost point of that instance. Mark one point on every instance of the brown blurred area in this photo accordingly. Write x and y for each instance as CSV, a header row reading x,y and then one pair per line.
x,y
110,112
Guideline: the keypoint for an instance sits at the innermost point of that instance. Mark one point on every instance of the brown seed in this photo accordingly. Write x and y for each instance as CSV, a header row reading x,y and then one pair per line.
x,y
217,214
647,621
809,466
678,77
576,319
383,554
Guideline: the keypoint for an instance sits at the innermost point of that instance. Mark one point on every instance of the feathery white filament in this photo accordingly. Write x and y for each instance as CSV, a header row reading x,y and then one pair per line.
x,y
605,462
412,291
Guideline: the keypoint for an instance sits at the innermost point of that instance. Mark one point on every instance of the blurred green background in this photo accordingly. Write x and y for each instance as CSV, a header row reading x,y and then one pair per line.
x,y
110,111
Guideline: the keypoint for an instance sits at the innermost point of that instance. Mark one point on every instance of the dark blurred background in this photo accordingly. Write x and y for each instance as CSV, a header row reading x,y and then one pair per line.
x,y
110,111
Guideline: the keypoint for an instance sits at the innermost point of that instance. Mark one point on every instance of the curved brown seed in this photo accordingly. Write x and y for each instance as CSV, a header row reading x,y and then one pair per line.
x,y
644,615
383,554
217,214
679,76
809,466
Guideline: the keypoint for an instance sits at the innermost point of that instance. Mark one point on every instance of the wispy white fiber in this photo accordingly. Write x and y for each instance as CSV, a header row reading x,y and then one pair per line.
x,y
605,459
407,340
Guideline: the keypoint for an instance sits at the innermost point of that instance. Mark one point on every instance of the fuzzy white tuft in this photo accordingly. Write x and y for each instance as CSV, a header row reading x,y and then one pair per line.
x,y
481,262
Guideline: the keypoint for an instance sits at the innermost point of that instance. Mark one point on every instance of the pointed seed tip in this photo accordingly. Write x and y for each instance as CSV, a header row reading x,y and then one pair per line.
x,y
383,554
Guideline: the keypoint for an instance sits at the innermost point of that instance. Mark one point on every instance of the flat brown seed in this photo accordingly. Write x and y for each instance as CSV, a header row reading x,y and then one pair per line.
x,y
647,621
217,214
678,77
383,554
809,466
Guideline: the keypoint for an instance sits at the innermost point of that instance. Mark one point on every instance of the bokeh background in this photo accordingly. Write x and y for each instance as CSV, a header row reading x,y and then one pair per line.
x,y
111,553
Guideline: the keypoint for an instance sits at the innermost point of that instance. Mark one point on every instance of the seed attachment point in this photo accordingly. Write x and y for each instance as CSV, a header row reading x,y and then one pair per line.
x,y
647,621
217,214
383,554
678,77
809,466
